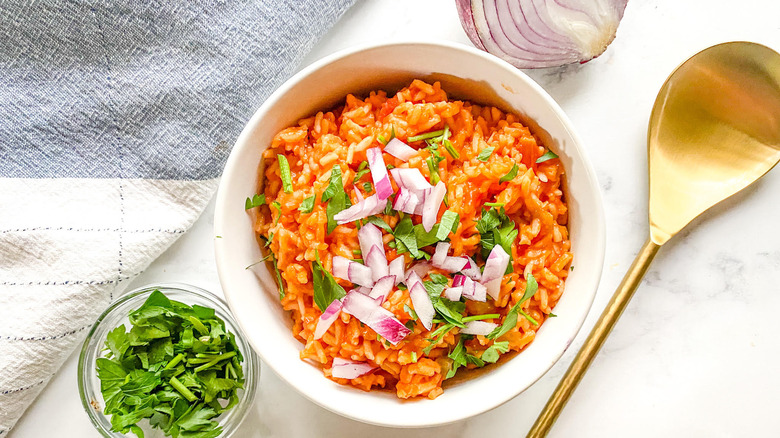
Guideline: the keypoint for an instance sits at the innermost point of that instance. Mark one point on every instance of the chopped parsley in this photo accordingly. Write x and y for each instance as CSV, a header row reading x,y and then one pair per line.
x,y
308,204
449,223
336,197
511,174
177,366
496,228
510,321
284,169
549,155
450,149
493,352
254,201
392,136
426,136
325,287
485,154
367,187
362,170
379,222
414,237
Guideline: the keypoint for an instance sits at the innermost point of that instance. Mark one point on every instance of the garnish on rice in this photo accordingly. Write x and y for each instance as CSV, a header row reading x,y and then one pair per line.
x,y
439,243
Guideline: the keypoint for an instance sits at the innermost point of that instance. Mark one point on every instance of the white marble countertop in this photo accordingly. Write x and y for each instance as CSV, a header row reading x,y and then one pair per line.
x,y
696,352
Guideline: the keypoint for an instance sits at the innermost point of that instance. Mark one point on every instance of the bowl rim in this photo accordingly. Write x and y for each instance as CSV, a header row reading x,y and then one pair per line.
x,y
251,360
243,141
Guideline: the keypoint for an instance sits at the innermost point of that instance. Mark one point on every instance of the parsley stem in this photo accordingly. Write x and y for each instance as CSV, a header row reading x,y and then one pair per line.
x,y
527,316
478,317
175,361
198,325
215,361
426,136
177,385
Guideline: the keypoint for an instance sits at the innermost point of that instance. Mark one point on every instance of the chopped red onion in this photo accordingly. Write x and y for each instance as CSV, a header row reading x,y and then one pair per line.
x,y
471,269
541,33
407,201
327,318
377,262
453,293
399,149
358,195
495,267
432,204
379,174
473,291
411,179
421,269
440,254
422,304
458,280
370,313
353,271
348,369
364,290
382,288
412,277
396,269
478,328
373,249
363,209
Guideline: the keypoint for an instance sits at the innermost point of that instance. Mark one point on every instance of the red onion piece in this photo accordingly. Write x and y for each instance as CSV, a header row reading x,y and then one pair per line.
x,y
363,209
399,149
474,291
495,266
421,269
541,33
422,304
370,313
373,249
458,280
407,201
377,262
379,174
382,288
432,204
396,269
471,269
358,195
440,254
364,290
411,179
453,293
478,328
348,369
353,271
327,318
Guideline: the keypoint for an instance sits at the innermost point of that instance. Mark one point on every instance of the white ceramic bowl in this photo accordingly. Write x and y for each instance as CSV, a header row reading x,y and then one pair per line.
x,y
468,74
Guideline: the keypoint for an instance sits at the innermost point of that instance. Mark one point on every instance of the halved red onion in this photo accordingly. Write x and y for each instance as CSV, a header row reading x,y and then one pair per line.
x,y
370,313
453,293
379,174
399,149
541,33
411,179
330,314
495,266
353,271
422,305
474,291
471,269
382,288
349,369
363,209
421,269
432,204
396,269
478,328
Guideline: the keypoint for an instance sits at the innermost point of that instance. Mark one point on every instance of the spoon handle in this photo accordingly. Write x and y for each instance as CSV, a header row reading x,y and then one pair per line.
x,y
595,340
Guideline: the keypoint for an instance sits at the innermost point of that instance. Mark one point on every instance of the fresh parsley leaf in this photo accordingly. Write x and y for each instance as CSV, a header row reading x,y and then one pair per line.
x,y
359,174
436,337
404,233
458,356
410,311
278,208
496,228
549,155
367,186
284,170
307,206
388,208
325,287
485,154
510,321
511,174
492,353
254,201
449,223
336,197
379,222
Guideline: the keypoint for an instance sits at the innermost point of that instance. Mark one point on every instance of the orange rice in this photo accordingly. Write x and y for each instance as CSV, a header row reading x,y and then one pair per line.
x,y
533,199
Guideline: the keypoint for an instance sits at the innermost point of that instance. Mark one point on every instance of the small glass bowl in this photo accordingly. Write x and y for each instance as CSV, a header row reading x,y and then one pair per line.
x,y
117,313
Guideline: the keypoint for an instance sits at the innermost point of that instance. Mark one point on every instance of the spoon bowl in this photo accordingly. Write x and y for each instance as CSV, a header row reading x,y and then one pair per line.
x,y
714,130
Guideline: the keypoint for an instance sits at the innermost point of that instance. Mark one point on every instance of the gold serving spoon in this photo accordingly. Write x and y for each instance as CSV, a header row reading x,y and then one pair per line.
x,y
714,130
